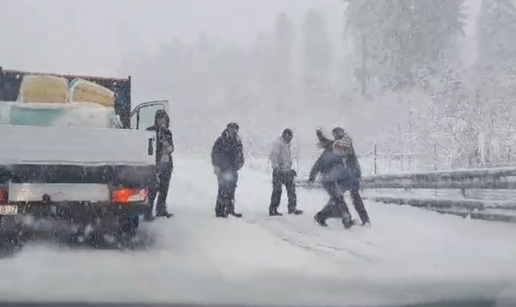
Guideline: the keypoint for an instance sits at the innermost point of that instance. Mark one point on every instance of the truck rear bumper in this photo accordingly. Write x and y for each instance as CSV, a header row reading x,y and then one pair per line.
x,y
58,192
67,200
72,210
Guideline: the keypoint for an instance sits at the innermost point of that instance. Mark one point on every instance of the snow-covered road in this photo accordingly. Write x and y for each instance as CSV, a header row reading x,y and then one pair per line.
x,y
408,254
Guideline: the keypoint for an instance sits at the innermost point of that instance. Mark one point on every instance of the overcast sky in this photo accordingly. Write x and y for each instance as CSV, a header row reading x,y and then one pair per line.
x,y
91,36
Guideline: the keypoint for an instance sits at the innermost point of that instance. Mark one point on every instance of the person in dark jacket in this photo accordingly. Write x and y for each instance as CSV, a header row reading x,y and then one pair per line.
x,y
227,158
335,178
164,166
351,162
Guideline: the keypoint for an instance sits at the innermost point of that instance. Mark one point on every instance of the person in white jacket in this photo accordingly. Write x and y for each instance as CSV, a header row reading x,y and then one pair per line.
x,y
281,160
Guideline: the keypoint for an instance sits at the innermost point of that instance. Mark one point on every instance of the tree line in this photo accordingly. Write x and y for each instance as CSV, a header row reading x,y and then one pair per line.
x,y
399,76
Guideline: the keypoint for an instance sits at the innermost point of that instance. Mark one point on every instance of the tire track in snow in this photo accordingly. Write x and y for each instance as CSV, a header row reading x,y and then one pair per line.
x,y
286,233
337,245
303,236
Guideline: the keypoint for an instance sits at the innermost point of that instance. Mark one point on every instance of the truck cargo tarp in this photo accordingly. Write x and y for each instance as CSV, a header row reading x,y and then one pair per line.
x,y
53,88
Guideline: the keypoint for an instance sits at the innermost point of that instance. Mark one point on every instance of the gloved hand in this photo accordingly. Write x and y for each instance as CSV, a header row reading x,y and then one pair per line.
x,y
168,149
309,184
216,170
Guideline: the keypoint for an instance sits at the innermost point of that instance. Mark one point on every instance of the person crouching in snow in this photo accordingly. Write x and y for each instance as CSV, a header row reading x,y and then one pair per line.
x,y
351,162
336,177
227,158
283,174
164,166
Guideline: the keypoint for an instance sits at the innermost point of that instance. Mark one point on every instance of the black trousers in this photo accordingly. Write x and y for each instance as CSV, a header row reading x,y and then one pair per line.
x,y
358,203
280,179
336,206
227,184
160,187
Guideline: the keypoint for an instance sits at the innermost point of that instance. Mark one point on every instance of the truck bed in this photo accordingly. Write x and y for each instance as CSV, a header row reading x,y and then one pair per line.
x,y
26,145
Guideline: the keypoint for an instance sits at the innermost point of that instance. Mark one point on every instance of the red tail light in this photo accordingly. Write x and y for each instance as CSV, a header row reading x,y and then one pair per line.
x,y
3,196
128,195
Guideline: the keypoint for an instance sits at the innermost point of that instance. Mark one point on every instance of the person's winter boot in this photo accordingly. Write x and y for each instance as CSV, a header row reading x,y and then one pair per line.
x,y
220,209
231,209
320,218
295,211
148,217
347,221
163,213
274,212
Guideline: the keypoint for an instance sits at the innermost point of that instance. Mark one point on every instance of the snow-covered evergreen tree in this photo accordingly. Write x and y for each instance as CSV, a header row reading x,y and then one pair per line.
x,y
496,72
364,32
411,48
284,37
401,43
317,49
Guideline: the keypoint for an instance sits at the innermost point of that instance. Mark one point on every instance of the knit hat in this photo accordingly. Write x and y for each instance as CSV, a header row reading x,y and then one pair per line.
x,y
342,145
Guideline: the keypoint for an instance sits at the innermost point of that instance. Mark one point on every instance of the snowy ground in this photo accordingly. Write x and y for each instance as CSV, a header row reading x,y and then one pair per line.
x,y
408,254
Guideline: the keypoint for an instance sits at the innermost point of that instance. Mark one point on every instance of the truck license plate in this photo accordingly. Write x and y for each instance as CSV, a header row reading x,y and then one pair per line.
x,y
8,210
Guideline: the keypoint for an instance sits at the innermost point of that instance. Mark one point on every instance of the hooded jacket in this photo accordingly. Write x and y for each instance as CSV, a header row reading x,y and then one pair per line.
x,y
340,167
348,155
164,139
331,166
227,152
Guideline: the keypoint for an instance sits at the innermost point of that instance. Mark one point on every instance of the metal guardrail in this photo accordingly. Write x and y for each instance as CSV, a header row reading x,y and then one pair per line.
x,y
493,178
402,189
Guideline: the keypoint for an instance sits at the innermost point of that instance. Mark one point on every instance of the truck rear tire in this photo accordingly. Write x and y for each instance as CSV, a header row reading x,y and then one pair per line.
x,y
128,225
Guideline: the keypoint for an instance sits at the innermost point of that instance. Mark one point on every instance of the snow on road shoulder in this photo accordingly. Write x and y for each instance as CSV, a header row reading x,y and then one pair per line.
x,y
388,256
416,244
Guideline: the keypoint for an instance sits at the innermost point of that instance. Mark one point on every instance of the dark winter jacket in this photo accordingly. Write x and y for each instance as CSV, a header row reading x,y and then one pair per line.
x,y
328,163
227,153
164,140
350,157
335,168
